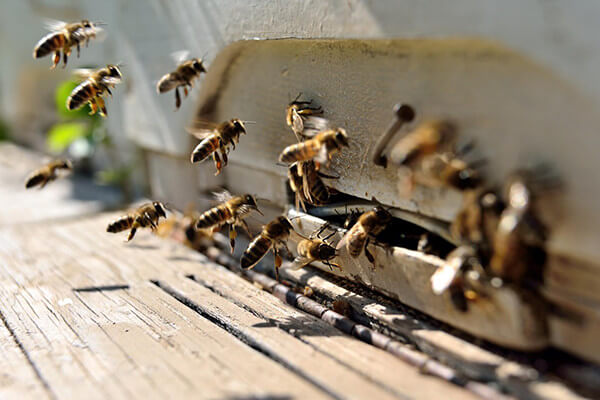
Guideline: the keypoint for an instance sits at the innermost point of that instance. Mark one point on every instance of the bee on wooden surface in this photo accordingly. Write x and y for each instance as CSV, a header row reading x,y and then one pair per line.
x,y
297,112
217,140
47,173
316,248
427,138
185,74
447,169
91,90
477,220
231,211
273,236
182,228
367,227
452,276
319,148
146,215
307,184
62,37
518,243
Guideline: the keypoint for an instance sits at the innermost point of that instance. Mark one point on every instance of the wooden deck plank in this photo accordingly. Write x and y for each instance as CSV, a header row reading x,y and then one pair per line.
x,y
99,344
328,357
18,379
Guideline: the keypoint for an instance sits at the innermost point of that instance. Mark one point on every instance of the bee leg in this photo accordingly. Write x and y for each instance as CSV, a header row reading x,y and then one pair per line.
x,y
246,227
368,253
93,107
177,99
232,236
224,155
102,106
131,233
56,59
108,91
78,49
232,144
185,90
150,221
65,58
218,163
278,262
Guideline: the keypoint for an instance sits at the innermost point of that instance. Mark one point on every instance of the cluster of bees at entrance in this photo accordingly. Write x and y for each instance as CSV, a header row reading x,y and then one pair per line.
x,y
500,237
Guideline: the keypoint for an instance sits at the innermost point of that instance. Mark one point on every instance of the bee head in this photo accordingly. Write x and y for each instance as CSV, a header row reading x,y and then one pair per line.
x,y
382,214
250,201
86,24
284,222
114,71
341,137
159,209
238,125
66,164
198,66
326,252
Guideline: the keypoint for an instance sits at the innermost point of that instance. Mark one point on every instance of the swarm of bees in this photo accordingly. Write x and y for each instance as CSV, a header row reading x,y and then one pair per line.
x,y
500,235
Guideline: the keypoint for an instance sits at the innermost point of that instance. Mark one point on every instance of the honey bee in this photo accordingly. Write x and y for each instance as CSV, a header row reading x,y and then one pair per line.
x,y
367,227
518,243
217,140
297,113
273,236
319,148
183,76
307,185
231,211
427,138
316,248
93,87
47,173
146,215
62,37
447,169
452,277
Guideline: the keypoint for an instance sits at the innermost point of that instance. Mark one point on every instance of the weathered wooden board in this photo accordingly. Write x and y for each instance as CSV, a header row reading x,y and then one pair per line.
x,y
503,318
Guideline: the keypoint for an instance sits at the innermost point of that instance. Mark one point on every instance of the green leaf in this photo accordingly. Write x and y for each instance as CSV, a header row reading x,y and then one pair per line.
x,y
63,134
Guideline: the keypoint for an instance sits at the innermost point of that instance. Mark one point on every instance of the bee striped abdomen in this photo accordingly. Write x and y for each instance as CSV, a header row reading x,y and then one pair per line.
x,y
34,180
358,237
299,152
120,224
83,93
48,44
168,82
319,192
215,216
256,251
205,148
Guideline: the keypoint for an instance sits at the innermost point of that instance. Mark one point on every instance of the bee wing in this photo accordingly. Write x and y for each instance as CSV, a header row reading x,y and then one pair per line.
x,y
297,122
222,196
352,232
82,73
110,80
300,262
97,32
200,133
321,156
314,125
54,25
442,278
180,56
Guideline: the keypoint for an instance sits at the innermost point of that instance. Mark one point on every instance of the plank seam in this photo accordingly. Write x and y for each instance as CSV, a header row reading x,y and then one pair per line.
x,y
30,361
244,338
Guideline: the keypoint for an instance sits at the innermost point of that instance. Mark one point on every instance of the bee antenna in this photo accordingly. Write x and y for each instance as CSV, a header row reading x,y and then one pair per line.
x,y
280,164
249,122
121,64
100,23
296,217
297,97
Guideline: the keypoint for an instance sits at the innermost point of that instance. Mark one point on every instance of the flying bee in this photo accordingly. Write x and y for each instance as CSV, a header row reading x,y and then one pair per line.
x,y
273,236
460,268
47,173
297,112
62,37
146,215
231,211
184,76
217,140
367,227
519,240
316,248
319,148
92,89
427,138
